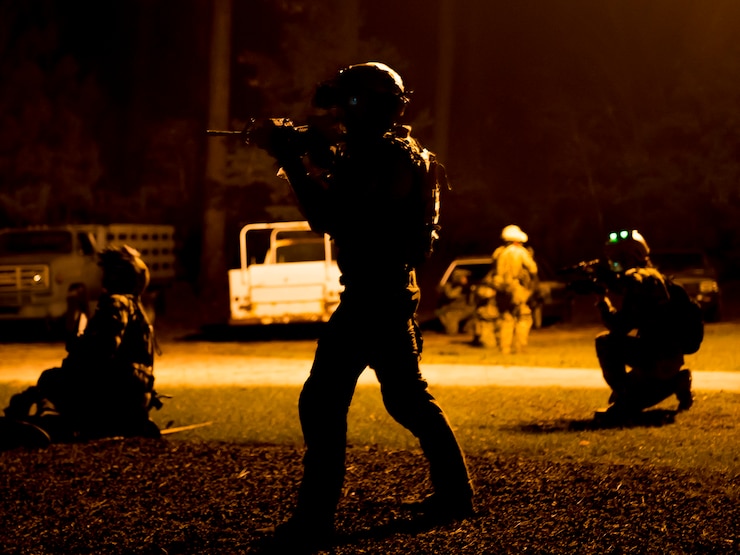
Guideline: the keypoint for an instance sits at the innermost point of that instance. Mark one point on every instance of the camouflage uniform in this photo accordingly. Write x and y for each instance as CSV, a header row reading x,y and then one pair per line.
x,y
514,278
455,303
486,316
104,386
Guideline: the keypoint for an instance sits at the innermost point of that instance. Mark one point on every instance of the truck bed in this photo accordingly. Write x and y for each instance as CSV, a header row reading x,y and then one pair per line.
x,y
284,293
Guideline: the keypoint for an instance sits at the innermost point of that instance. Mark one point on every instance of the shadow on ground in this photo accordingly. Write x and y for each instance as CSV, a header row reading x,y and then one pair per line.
x,y
653,418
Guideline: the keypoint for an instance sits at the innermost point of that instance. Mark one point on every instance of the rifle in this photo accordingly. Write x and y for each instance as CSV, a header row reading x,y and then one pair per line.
x,y
246,133
588,276
282,137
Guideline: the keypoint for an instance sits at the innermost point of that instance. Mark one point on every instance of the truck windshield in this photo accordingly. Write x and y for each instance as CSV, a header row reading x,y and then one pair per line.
x,y
23,242
301,251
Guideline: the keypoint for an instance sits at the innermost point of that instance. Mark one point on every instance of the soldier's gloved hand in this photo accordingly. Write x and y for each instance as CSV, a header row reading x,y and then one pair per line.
x,y
598,288
281,141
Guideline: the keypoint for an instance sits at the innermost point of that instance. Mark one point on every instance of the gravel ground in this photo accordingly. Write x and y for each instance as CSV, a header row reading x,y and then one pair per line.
x,y
174,496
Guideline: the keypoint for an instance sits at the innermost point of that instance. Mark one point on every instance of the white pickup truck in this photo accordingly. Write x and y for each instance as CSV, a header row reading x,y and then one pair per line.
x,y
297,281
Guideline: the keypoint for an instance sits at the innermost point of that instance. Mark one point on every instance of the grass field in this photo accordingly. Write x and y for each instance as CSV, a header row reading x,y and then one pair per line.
x,y
537,422
549,481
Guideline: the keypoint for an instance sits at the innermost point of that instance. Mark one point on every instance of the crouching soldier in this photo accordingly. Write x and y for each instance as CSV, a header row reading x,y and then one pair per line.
x,y
455,306
655,326
105,385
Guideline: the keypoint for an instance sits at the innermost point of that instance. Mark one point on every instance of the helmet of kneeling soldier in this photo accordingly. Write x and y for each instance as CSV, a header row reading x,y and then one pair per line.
x,y
124,272
627,249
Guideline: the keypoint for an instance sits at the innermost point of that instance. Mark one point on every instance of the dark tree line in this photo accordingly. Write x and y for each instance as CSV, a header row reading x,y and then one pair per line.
x,y
566,117
596,115
100,111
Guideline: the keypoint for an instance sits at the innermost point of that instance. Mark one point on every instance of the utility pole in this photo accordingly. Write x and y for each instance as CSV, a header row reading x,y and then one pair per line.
x,y
213,277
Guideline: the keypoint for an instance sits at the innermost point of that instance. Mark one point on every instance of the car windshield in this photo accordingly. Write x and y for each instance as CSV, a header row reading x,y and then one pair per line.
x,y
24,242
668,262
477,270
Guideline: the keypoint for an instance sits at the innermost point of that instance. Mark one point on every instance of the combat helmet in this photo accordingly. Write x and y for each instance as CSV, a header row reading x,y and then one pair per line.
x,y
513,234
626,249
371,86
124,272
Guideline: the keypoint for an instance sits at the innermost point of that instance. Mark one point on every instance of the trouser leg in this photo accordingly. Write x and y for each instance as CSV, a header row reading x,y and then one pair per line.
x,y
323,406
506,331
485,333
522,327
409,402
658,380
486,319
451,317
610,351
683,390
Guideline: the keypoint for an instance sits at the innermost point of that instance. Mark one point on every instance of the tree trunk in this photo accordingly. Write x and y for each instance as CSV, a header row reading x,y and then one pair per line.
x,y
214,287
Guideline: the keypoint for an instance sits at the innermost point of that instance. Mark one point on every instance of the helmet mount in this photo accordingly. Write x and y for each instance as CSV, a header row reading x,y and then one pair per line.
x,y
627,249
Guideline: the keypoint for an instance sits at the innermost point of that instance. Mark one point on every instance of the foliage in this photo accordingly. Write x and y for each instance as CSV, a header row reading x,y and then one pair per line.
x,y
49,157
78,142
311,41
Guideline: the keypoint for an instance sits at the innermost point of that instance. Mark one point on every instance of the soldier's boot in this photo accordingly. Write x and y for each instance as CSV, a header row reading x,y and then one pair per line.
x,y
299,536
622,407
683,390
21,405
54,423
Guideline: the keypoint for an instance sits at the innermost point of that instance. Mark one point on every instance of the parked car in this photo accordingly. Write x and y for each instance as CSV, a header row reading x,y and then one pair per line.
x,y
693,270
551,302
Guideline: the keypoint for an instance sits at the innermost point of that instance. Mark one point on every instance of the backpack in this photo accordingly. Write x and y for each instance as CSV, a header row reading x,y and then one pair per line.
x,y
685,317
433,178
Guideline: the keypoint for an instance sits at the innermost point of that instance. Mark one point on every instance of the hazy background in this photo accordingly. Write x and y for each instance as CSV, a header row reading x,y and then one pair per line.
x,y
567,117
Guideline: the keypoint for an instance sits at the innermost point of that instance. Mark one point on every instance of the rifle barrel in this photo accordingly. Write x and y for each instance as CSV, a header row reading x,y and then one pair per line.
x,y
222,132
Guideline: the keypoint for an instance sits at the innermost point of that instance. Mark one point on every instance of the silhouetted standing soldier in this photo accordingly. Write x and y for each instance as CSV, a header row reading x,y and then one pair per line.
x,y
375,192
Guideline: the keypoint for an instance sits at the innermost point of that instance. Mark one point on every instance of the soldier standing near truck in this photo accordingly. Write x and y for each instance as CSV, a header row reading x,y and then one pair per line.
x,y
375,192
514,277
